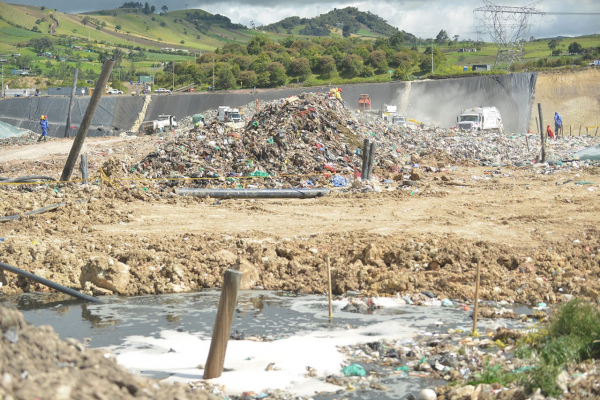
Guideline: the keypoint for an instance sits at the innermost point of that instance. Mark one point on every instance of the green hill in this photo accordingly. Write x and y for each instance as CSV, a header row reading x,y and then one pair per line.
x,y
347,21
191,30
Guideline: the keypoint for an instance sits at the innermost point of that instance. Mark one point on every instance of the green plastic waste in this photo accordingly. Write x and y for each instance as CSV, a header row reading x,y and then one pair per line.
x,y
354,370
270,140
585,183
197,118
403,368
259,174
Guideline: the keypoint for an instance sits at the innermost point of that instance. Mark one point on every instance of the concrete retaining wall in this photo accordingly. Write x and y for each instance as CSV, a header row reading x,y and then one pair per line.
x,y
433,102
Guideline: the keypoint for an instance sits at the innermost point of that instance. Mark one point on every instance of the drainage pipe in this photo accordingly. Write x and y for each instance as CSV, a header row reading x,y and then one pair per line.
x,y
254,193
50,284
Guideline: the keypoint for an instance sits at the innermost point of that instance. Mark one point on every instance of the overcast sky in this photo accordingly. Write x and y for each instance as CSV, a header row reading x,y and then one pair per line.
x,y
424,18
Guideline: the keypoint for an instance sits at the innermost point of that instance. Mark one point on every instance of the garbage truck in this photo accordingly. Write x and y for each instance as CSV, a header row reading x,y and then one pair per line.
x,y
228,114
480,119
158,125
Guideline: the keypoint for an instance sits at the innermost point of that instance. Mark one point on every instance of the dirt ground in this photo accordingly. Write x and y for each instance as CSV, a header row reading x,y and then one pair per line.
x,y
537,241
575,95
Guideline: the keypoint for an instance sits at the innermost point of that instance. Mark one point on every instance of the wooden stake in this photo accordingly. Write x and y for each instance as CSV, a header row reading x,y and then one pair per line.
x,y
570,131
476,307
542,133
329,279
223,322
83,165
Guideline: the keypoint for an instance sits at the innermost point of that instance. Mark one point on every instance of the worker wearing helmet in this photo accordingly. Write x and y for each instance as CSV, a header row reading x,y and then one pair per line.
x,y
44,126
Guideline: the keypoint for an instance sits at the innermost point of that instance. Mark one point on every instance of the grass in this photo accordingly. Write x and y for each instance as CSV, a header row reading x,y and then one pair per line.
x,y
570,337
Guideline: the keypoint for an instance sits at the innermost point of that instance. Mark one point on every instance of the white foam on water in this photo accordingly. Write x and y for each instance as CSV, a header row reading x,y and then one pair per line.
x,y
248,360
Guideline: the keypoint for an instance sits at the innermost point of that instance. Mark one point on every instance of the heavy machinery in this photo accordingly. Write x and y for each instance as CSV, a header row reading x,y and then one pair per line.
x,y
364,102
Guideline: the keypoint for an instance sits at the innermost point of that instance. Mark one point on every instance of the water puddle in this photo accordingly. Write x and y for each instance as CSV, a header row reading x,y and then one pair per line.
x,y
167,337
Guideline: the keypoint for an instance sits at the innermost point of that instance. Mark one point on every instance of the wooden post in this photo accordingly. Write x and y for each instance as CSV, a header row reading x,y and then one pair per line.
x,y
537,124
596,134
587,131
365,160
476,307
570,131
87,120
329,280
83,166
542,133
579,130
71,102
223,322
371,160
527,142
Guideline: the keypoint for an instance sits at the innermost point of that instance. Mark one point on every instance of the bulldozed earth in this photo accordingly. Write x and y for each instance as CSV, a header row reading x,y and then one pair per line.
x,y
536,239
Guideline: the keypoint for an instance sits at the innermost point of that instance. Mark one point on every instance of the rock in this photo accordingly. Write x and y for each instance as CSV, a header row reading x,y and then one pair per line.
x,y
434,266
313,250
483,392
105,273
445,178
512,394
371,253
250,274
427,394
416,175
562,381
461,393
225,257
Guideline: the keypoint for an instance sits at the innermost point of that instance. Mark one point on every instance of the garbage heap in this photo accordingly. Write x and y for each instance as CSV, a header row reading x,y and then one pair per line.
x,y
297,141
307,140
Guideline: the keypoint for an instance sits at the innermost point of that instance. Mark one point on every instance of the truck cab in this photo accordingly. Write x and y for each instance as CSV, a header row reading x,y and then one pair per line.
x,y
398,120
480,119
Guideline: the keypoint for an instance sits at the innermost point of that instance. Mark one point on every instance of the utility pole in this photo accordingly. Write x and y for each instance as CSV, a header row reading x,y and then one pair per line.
x,y
213,86
431,58
173,74
2,81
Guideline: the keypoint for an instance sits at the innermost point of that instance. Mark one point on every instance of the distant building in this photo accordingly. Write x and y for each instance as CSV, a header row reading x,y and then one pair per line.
x,y
471,50
482,67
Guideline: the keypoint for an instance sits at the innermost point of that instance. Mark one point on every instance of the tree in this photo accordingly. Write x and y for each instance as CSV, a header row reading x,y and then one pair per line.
x,y
396,39
152,9
379,61
300,67
553,44
164,9
575,48
249,78
42,45
456,38
326,65
346,30
43,8
85,20
255,45
277,75
146,8
353,65
24,61
117,28
442,37
224,77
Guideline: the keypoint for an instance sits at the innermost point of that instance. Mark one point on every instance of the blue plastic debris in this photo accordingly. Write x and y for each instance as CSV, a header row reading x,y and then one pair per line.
x,y
339,181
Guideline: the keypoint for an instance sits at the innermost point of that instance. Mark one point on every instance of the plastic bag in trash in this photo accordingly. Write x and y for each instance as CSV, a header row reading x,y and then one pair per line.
x,y
354,370
339,181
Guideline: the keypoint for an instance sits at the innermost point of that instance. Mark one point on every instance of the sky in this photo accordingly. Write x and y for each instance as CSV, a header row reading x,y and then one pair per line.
x,y
423,18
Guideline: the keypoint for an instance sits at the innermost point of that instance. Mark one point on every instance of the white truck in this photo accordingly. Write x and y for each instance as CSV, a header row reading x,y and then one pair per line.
x,y
228,114
159,125
480,119
387,111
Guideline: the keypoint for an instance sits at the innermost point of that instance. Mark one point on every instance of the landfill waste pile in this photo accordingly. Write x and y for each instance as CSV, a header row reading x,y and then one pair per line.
x,y
313,140
10,135
36,363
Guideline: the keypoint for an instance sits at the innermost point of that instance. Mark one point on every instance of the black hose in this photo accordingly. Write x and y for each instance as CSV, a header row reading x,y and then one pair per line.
x,y
50,284
254,193
38,211
27,179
